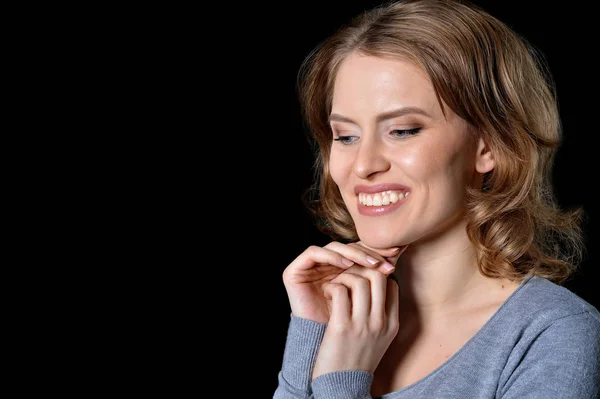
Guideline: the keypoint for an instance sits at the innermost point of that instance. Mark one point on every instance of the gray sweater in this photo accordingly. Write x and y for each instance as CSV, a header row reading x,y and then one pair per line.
x,y
543,342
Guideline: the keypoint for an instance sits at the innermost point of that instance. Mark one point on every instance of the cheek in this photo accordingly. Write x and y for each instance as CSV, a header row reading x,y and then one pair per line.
x,y
417,162
425,162
339,167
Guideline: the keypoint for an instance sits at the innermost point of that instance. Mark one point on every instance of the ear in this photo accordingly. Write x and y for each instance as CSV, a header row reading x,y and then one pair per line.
x,y
484,161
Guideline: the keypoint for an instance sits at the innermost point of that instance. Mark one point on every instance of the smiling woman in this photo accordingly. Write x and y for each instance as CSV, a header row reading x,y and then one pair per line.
x,y
436,128
400,134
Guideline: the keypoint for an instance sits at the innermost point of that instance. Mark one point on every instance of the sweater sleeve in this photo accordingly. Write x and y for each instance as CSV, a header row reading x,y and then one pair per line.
x,y
348,384
563,362
300,353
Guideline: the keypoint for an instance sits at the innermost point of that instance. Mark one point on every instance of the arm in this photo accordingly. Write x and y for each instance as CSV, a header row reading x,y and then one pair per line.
x,y
305,280
301,348
364,320
348,384
563,362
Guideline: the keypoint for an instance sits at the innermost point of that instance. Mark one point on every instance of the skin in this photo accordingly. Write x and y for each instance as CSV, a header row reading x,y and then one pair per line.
x,y
441,299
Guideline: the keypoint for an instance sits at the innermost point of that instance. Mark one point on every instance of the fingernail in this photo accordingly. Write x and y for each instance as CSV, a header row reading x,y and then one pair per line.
x,y
372,261
388,267
396,249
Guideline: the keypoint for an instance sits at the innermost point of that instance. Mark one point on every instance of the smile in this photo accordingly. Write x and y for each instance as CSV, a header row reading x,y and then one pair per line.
x,y
383,198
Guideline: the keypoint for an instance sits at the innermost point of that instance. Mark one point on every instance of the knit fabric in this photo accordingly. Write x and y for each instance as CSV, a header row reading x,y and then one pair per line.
x,y
543,342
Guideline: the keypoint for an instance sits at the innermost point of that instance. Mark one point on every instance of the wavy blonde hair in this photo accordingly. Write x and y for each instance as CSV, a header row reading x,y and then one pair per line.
x,y
496,81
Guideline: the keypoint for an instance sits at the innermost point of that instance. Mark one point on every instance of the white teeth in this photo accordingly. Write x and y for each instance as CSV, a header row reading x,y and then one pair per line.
x,y
381,199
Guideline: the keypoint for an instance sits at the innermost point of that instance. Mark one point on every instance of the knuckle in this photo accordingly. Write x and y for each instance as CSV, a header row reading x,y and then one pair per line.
x,y
341,327
286,273
337,288
378,324
362,283
311,250
331,244
393,326
370,273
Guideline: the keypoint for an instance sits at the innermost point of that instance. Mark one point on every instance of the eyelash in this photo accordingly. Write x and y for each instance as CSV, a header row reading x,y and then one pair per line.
x,y
403,133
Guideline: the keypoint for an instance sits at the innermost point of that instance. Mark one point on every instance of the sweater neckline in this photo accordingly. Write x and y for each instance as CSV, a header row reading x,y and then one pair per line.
x,y
467,344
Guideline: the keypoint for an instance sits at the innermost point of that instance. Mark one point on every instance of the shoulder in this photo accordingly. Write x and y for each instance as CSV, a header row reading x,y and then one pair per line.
x,y
547,300
541,306
552,340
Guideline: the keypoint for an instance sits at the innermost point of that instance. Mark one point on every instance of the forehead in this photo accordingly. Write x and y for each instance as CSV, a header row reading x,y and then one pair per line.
x,y
377,83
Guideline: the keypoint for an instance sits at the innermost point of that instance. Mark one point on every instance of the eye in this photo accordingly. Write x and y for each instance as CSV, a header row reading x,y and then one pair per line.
x,y
405,132
345,139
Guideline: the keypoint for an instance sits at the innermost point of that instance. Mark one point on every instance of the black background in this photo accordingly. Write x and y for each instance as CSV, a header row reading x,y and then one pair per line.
x,y
199,160
262,143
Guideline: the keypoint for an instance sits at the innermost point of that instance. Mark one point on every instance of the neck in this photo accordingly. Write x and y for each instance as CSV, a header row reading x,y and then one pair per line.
x,y
439,275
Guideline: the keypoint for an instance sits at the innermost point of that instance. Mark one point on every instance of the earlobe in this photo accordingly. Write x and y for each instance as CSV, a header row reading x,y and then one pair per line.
x,y
485,159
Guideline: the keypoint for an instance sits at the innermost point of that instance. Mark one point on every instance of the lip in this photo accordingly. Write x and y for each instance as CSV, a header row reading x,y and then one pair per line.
x,y
377,188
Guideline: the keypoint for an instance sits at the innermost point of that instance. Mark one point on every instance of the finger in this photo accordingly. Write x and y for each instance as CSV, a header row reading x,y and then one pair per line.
x,y
389,254
360,294
384,252
394,258
315,254
340,307
392,304
379,284
361,256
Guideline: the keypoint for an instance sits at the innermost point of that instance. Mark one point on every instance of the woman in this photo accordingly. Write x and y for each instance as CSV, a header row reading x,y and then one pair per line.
x,y
436,128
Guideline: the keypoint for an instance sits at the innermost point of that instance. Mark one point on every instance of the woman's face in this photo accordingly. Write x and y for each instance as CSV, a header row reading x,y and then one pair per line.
x,y
401,165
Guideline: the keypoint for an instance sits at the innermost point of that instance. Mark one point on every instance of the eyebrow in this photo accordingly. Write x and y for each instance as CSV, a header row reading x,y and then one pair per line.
x,y
383,116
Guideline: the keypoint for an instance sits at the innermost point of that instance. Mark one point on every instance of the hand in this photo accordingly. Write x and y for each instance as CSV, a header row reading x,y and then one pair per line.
x,y
306,277
363,322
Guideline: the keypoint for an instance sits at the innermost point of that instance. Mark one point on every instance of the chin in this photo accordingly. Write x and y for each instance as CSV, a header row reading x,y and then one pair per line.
x,y
379,240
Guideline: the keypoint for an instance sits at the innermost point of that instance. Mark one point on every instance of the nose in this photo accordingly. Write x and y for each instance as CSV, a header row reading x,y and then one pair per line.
x,y
370,158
